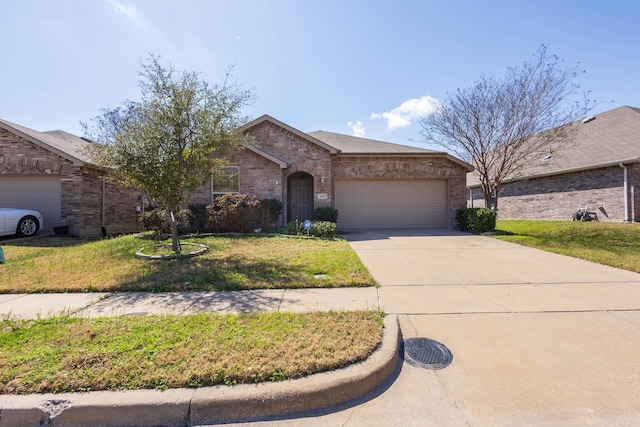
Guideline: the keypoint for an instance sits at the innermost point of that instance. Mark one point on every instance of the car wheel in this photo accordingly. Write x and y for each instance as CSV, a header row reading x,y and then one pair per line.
x,y
28,226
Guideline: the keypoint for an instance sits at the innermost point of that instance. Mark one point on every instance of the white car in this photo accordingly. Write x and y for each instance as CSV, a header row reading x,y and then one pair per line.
x,y
22,222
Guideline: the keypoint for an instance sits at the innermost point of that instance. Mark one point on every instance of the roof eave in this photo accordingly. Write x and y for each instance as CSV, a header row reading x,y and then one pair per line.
x,y
568,170
447,156
258,151
74,160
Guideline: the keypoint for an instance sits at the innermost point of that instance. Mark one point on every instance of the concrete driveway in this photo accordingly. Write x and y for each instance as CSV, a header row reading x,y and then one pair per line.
x,y
537,338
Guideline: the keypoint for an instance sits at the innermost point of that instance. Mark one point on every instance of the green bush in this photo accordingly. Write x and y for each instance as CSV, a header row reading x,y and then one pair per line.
x,y
294,228
476,220
326,214
234,212
158,220
198,216
323,229
270,210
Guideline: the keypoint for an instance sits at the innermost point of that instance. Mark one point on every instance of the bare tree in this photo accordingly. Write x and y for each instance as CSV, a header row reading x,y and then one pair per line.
x,y
170,141
497,125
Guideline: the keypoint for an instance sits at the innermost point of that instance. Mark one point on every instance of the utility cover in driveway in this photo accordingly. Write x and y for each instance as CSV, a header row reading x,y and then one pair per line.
x,y
426,353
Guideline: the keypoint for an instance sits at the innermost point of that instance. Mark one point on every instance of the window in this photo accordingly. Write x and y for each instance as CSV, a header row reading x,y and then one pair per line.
x,y
226,180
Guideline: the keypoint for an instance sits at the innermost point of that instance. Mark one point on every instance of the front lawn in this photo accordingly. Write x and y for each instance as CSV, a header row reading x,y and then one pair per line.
x,y
64,354
64,264
614,244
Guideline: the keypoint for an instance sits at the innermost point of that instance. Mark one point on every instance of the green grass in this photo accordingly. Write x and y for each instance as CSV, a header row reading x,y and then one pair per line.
x,y
614,244
64,354
63,264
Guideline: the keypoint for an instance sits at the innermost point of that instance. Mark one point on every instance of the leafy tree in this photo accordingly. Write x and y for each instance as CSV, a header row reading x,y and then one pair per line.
x,y
497,125
170,141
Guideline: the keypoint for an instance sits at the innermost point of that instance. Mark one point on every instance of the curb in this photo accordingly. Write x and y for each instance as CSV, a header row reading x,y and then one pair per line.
x,y
207,405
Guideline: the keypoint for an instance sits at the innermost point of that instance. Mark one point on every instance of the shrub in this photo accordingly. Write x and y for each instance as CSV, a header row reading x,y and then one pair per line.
x,y
476,220
234,212
323,229
198,216
326,214
294,228
158,220
270,210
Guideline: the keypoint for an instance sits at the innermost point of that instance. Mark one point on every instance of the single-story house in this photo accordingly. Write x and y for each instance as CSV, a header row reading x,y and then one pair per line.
x,y
371,183
599,168
51,173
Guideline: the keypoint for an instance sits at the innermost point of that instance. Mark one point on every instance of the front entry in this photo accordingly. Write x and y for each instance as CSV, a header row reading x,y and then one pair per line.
x,y
300,200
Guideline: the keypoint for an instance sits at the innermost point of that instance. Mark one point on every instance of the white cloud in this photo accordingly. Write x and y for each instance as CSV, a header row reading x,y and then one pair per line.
x,y
409,110
357,128
129,12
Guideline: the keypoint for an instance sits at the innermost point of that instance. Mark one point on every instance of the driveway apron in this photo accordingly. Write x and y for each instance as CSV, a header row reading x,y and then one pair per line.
x,y
536,338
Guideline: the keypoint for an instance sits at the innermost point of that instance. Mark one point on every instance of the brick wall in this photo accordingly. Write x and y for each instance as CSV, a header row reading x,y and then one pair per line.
x,y
81,189
302,155
20,157
265,179
118,206
558,197
258,176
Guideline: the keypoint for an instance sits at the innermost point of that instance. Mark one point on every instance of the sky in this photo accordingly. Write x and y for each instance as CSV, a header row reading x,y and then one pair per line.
x,y
359,67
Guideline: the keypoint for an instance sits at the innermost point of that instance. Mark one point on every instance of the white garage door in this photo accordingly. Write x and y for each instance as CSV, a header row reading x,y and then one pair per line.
x,y
386,203
41,193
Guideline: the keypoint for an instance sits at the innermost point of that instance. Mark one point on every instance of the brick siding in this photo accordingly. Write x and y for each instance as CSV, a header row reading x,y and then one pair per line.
x,y
265,179
81,188
559,196
302,156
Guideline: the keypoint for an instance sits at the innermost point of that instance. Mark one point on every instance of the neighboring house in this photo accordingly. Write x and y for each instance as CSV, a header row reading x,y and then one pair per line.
x,y
599,168
371,183
50,172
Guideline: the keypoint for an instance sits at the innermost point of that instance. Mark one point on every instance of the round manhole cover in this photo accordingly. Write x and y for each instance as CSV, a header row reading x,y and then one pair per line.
x,y
426,353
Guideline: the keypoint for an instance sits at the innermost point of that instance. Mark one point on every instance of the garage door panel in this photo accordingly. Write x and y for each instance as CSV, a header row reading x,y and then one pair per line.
x,y
391,203
37,192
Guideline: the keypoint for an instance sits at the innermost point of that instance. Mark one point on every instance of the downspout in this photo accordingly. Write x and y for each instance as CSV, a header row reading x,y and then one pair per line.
x,y
626,191
102,220
470,196
283,191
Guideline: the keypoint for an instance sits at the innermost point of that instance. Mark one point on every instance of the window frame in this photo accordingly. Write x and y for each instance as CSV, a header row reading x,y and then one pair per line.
x,y
235,176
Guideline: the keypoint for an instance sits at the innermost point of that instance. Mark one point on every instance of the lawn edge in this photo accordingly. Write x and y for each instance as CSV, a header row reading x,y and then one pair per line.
x,y
208,405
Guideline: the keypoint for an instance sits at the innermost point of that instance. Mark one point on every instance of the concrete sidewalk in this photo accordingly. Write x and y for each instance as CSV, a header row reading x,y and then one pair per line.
x,y
143,303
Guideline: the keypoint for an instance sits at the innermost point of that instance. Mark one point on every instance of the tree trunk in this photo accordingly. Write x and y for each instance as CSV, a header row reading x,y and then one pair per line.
x,y
486,190
175,242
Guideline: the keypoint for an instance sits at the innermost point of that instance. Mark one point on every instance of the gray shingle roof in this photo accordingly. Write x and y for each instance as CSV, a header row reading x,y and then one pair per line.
x,y
64,144
610,138
355,145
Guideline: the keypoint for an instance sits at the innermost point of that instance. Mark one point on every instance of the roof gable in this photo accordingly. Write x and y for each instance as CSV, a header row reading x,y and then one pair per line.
x,y
66,145
294,131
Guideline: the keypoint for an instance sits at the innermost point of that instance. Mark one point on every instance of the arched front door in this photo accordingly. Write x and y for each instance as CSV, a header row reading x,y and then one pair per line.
x,y
300,200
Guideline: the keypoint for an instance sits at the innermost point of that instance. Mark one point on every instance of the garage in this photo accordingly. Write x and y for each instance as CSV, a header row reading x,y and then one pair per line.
x,y
391,203
41,193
